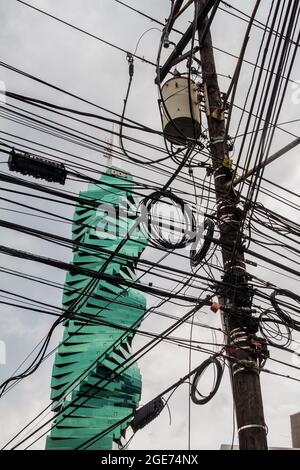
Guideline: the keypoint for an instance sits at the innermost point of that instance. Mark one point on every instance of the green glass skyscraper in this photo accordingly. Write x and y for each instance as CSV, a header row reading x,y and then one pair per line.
x,y
84,404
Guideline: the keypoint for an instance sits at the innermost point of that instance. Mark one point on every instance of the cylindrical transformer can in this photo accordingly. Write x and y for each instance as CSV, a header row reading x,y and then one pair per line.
x,y
181,110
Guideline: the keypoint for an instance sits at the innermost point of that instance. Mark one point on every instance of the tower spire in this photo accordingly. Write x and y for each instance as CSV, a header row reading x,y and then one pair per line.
x,y
109,146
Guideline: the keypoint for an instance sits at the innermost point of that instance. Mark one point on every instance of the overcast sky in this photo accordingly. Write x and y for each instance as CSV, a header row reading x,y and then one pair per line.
x,y
84,66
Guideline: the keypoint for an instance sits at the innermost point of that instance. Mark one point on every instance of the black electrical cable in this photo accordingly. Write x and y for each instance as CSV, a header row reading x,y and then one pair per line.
x,y
155,20
102,252
31,115
286,318
91,321
264,52
151,220
198,255
258,24
59,286
131,157
150,310
173,387
270,327
36,361
140,353
265,143
51,106
202,400
66,391
66,23
235,80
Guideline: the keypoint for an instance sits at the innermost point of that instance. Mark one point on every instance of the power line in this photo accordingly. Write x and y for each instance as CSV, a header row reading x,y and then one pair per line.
x,y
93,36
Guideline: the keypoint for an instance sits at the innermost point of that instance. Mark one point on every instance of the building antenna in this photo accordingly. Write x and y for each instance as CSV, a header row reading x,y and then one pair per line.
x,y
109,146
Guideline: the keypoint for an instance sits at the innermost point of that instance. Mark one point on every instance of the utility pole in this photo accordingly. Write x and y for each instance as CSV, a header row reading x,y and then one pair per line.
x,y
244,348
236,302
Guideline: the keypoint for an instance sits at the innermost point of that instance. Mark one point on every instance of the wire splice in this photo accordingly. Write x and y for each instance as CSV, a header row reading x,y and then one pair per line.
x,y
147,413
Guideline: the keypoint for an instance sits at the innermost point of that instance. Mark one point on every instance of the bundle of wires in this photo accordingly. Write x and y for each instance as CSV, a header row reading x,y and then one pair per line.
x,y
198,255
275,331
150,210
292,322
196,396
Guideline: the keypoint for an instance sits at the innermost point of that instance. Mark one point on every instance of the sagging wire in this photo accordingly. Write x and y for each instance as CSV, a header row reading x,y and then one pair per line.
x,y
130,60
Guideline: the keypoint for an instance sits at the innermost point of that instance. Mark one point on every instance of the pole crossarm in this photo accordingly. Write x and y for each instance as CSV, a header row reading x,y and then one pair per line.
x,y
183,42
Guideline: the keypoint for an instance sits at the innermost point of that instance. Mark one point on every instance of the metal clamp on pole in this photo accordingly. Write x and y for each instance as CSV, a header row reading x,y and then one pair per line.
x,y
249,426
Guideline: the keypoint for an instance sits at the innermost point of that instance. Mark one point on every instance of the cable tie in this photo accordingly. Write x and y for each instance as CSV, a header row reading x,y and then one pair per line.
x,y
249,426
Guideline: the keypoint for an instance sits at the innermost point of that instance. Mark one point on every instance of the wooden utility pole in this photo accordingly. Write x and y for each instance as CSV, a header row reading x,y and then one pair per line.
x,y
236,293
